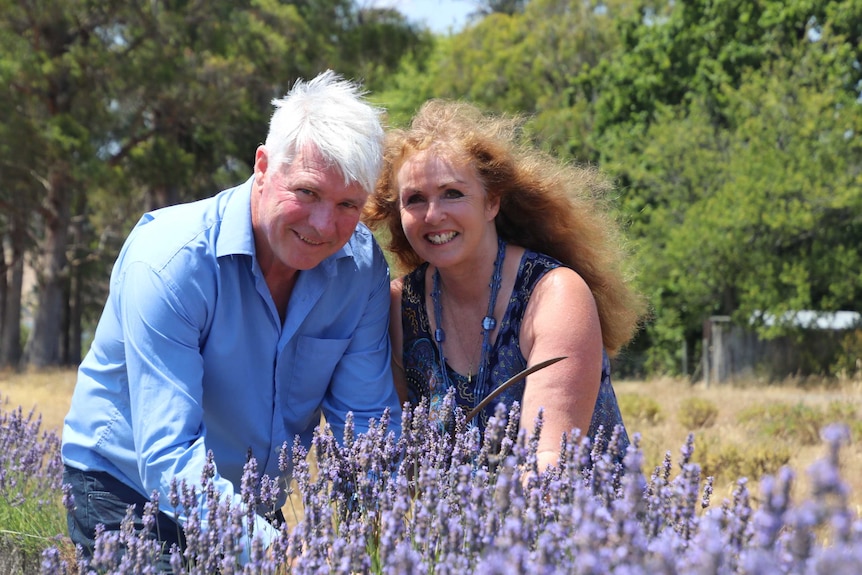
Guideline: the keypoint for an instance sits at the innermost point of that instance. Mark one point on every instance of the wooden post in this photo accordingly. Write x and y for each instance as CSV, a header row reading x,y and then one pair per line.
x,y
704,352
719,326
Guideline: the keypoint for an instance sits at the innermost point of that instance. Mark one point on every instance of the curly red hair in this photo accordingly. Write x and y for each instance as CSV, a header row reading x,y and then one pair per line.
x,y
545,205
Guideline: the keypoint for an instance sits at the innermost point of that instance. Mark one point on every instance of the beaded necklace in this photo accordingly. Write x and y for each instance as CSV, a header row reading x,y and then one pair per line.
x,y
488,324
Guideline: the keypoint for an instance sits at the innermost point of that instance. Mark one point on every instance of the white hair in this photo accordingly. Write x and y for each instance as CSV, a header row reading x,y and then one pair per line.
x,y
330,113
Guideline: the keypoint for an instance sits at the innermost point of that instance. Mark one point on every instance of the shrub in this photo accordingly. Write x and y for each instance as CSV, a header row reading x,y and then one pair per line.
x,y
730,461
848,361
845,413
798,423
697,413
638,409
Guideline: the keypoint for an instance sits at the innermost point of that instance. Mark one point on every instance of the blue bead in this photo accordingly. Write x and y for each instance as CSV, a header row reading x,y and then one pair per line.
x,y
489,323
439,335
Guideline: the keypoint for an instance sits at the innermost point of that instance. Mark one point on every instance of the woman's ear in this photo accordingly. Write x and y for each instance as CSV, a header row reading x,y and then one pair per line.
x,y
492,206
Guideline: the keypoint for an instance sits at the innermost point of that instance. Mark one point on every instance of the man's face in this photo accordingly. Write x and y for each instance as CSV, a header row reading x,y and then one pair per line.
x,y
302,213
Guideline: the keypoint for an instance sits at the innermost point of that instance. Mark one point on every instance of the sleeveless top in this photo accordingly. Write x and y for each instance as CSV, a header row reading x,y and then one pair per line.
x,y
421,357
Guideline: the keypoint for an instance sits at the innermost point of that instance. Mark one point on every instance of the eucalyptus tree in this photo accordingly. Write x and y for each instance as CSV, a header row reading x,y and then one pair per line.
x,y
55,84
16,208
133,106
17,150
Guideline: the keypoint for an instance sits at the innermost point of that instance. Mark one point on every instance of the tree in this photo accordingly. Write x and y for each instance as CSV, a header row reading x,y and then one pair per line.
x,y
131,106
760,217
18,148
50,83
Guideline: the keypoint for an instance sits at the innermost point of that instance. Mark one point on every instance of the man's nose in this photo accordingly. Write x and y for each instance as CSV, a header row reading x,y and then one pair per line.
x,y
322,218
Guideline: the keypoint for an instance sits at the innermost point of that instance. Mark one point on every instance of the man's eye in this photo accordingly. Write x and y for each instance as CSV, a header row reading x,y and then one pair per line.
x,y
347,205
306,192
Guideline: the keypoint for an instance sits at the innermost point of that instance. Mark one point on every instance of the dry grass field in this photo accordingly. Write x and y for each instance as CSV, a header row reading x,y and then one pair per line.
x,y
656,409
762,440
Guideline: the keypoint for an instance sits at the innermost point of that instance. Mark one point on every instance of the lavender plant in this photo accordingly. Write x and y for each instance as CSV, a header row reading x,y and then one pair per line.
x,y
443,499
30,478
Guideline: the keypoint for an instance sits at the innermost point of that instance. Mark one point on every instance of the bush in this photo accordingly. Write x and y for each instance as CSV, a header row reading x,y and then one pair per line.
x,y
730,461
798,423
638,409
697,413
848,361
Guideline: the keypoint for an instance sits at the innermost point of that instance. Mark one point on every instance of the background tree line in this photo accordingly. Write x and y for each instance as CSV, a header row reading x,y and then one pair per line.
x,y
732,128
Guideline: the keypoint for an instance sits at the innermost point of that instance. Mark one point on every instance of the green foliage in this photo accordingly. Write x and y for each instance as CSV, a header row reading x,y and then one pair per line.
x,y
846,413
849,359
109,109
729,461
759,215
639,410
797,423
731,126
696,413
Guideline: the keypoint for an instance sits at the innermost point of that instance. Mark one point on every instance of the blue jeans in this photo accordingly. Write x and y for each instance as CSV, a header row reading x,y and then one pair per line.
x,y
102,499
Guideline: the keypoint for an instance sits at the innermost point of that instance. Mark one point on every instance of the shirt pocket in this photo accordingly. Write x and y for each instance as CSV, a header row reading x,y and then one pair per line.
x,y
314,365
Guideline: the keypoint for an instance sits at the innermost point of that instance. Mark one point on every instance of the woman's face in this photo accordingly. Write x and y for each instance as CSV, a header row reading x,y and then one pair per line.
x,y
445,212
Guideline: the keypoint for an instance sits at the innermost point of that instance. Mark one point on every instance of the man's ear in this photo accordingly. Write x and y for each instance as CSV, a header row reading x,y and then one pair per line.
x,y
261,163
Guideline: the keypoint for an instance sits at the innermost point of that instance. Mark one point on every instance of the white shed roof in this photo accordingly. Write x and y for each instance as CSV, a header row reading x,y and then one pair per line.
x,y
813,319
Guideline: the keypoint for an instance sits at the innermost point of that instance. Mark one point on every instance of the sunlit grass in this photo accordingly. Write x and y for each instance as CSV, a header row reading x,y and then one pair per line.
x,y
730,436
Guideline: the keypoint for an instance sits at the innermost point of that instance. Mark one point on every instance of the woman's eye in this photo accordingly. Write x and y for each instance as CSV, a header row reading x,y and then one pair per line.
x,y
414,199
453,193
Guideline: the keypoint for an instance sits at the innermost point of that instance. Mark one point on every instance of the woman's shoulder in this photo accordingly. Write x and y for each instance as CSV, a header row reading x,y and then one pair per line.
x,y
545,279
541,259
533,267
413,281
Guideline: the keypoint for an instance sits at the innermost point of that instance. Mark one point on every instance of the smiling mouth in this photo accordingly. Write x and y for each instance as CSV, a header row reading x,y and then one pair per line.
x,y
308,241
440,239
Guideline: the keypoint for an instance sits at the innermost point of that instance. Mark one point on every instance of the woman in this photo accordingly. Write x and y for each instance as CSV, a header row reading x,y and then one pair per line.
x,y
511,260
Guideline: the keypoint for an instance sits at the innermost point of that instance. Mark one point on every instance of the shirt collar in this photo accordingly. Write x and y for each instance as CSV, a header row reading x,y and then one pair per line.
x,y
234,234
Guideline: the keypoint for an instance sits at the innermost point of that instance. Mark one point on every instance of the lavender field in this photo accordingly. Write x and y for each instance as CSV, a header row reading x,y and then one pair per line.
x,y
442,501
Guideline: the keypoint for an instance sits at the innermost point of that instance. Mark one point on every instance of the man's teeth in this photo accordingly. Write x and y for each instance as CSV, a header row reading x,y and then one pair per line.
x,y
441,238
308,240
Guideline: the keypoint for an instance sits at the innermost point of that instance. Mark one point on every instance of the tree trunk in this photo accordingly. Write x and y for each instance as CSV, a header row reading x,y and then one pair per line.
x,y
43,346
160,196
64,322
4,283
75,317
10,335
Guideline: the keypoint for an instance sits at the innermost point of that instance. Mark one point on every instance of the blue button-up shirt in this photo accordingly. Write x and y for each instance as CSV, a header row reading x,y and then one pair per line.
x,y
190,354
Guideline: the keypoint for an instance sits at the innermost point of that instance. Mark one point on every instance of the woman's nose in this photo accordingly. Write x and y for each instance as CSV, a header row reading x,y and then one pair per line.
x,y
435,212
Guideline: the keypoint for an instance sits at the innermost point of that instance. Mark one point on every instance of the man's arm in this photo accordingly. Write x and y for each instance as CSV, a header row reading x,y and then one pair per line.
x,y
162,326
362,382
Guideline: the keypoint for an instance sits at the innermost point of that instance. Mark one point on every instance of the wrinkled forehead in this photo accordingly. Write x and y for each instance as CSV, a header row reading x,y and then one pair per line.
x,y
311,156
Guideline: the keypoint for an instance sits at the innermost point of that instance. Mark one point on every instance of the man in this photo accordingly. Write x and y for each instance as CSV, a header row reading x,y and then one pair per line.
x,y
233,321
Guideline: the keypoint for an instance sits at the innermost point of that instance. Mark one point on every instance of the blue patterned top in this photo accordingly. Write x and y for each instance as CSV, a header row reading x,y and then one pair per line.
x,y
422,358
